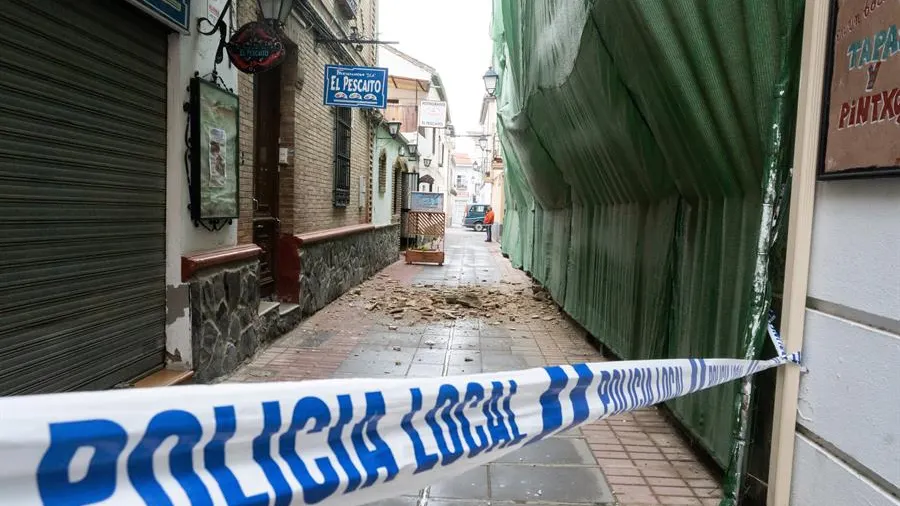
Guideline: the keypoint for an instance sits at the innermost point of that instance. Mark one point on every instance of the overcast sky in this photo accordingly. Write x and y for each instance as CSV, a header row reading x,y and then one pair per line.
x,y
453,36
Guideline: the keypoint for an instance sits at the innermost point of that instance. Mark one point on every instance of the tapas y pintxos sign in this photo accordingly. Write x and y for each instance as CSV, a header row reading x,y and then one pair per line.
x,y
861,113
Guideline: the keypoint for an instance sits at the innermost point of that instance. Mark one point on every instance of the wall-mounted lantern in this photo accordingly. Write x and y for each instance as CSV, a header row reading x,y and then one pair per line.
x,y
482,143
393,128
413,149
276,11
427,160
490,81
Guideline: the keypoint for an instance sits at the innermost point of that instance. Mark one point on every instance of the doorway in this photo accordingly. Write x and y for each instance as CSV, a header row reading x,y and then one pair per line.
x,y
266,172
459,213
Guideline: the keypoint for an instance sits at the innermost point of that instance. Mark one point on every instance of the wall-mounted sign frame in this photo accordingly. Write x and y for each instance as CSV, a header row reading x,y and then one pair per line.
x,y
432,114
860,134
361,87
214,152
255,47
426,201
174,13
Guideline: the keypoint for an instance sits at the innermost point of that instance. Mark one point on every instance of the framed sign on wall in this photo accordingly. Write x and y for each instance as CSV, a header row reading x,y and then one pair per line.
x,y
363,87
861,110
213,152
427,202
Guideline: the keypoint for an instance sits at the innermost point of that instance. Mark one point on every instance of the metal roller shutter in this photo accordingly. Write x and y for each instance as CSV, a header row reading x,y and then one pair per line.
x,y
82,194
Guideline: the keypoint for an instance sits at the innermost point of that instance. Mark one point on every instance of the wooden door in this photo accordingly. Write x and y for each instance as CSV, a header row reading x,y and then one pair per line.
x,y
267,88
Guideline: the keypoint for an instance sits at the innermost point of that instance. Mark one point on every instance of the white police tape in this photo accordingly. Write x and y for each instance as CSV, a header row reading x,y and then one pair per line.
x,y
342,441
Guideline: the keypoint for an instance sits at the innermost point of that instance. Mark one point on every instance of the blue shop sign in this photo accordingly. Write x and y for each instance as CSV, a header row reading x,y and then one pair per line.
x,y
175,13
364,87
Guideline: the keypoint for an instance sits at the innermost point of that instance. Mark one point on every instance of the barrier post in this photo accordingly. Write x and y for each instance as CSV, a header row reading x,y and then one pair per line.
x,y
806,155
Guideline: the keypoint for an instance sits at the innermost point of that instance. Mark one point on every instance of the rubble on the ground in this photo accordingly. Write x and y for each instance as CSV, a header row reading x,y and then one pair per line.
x,y
427,302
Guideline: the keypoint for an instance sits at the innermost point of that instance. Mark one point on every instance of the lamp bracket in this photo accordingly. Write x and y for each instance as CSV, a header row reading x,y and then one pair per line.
x,y
222,27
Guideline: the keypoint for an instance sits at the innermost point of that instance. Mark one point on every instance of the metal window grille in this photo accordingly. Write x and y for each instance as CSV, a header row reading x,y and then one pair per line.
x,y
382,172
396,189
343,122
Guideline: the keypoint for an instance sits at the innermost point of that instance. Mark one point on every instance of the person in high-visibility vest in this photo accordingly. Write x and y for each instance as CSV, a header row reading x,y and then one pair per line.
x,y
489,222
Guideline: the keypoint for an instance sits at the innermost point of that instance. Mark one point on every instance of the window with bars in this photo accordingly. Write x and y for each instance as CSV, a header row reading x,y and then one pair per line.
x,y
382,171
343,123
395,209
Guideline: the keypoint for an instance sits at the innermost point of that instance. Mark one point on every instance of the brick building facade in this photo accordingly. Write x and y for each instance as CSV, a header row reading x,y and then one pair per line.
x,y
307,127
312,204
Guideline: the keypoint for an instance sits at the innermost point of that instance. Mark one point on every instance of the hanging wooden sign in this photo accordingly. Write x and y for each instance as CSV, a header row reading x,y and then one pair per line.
x,y
255,47
861,110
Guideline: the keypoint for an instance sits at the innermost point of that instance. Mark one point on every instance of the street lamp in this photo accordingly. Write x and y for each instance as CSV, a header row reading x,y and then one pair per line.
x,y
427,160
490,81
393,128
413,149
482,143
276,10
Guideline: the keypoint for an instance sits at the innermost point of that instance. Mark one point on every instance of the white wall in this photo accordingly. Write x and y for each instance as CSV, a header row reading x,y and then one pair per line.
x,y
820,479
848,446
399,66
382,203
187,54
458,210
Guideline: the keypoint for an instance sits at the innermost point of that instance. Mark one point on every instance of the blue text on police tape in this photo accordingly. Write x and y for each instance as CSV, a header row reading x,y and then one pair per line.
x,y
465,419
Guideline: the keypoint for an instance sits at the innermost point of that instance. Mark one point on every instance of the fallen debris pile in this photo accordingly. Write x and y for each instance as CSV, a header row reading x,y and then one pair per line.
x,y
429,303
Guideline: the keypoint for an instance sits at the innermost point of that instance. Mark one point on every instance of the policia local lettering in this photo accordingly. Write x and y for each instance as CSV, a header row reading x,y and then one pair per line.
x,y
310,414
466,420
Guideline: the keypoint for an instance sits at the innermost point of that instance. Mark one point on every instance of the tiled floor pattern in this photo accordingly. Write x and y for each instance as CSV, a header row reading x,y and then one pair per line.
x,y
635,459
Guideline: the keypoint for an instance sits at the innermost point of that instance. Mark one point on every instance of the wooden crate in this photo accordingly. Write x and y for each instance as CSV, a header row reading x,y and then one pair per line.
x,y
424,257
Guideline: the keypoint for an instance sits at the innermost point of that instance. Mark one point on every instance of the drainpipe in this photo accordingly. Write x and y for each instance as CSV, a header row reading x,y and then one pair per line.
x,y
806,155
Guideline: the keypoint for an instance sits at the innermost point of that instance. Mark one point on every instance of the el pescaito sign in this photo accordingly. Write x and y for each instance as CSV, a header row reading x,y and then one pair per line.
x,y
861,115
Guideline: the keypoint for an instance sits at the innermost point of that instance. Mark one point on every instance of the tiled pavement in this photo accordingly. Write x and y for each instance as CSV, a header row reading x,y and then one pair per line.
x,y
634,459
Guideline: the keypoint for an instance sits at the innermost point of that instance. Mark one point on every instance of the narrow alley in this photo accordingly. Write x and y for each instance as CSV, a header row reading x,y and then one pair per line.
x,y
449,253
391,327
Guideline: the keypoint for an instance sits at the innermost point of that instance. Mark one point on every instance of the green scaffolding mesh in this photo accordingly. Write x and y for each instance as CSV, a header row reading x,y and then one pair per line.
x,y
645,143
